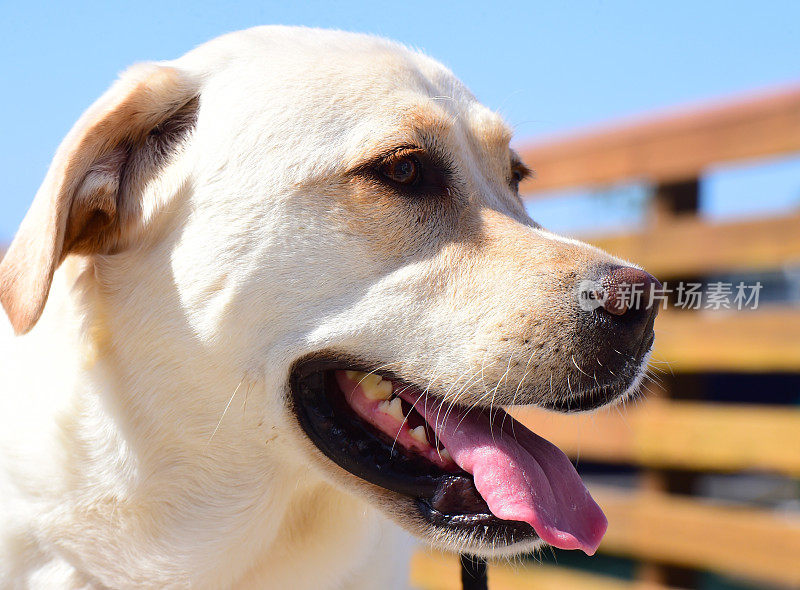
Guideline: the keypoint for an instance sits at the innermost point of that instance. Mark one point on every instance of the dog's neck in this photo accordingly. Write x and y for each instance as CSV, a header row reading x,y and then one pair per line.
x,y
163,459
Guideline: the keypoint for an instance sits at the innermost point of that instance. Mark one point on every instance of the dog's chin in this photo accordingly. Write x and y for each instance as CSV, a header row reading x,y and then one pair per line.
x,y
410,476
480,534
590,394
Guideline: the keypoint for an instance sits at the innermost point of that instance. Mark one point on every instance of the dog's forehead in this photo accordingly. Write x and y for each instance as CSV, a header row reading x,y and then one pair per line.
x,y
415,100
371,90
434,122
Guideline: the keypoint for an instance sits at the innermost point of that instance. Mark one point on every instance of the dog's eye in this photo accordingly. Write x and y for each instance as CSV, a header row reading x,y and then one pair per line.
x,y
410,172
402,169
519,172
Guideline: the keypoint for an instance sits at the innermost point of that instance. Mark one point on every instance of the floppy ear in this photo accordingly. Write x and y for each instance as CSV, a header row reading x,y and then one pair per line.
x,y
89,196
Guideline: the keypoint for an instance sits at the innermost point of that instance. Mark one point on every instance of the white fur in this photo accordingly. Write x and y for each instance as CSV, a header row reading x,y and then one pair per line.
x,y
146,439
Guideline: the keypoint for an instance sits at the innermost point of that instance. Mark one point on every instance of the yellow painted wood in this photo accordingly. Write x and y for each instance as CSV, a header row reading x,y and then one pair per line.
x,y
753,543
672,434
756,544
438,571
764,340
693,246
673,146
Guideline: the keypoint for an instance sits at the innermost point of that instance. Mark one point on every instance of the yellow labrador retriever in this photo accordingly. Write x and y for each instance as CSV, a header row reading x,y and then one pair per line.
x,y
268,304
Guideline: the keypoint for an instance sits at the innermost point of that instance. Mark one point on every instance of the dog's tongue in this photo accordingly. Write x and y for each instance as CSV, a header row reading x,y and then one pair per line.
x,y
520,475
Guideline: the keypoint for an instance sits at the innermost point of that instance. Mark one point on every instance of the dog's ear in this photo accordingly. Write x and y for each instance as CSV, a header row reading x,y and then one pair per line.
x,y
89,198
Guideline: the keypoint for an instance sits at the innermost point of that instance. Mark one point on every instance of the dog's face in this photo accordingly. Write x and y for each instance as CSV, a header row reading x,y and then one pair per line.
x,y
340,218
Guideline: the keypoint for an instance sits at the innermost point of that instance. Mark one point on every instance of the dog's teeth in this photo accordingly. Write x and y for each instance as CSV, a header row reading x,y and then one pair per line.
x,y
354,375
393,408
445,455
418,434
370,379
381,390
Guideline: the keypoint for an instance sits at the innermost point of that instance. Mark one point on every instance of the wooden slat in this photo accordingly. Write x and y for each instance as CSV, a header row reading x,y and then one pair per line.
x,y
763,340
672,434
669,147
737,541
731,540
437,571
694,246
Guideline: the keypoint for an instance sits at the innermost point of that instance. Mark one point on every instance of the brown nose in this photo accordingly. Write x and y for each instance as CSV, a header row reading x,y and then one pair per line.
x,y
629,292
626,309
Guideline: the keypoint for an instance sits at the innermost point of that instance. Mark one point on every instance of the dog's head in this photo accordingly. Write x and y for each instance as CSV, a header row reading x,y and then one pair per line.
x,y
338,218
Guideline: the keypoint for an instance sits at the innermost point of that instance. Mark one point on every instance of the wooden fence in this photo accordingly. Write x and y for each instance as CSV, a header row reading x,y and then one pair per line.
x,y
675,436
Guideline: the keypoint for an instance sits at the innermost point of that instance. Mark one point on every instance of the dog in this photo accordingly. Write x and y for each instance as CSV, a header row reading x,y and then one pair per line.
x,y
264,313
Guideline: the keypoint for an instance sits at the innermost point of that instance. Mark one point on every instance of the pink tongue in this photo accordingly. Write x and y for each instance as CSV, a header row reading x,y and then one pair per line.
x,y
520,475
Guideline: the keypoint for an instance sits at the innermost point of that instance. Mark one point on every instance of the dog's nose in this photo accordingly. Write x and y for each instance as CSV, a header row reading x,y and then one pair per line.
x,y
629,303
629,292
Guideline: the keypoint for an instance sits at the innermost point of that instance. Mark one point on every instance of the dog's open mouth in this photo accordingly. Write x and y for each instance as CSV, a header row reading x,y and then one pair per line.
x,y
468,469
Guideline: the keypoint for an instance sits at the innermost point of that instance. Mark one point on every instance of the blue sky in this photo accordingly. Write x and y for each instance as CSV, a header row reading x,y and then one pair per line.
x,y
547,66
